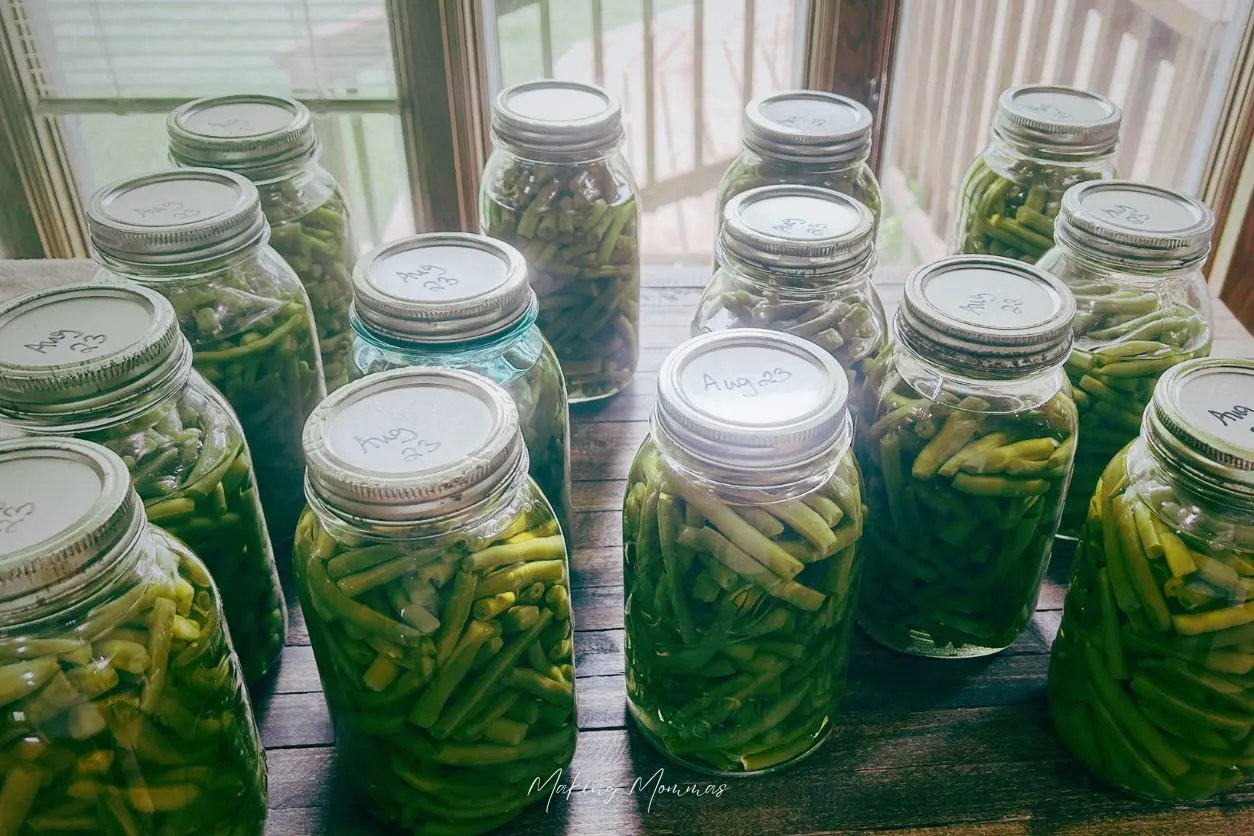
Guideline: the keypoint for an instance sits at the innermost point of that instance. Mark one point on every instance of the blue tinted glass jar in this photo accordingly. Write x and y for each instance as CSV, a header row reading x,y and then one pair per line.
x,y
462,301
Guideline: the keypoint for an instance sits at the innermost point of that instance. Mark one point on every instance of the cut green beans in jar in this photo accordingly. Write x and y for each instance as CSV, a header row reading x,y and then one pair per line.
x,y
741,525
107,363
966,453
1132,254
557,188
803,138
1150,677
438,601
271,141
799,259
123,706
462,301
1044,139
198,237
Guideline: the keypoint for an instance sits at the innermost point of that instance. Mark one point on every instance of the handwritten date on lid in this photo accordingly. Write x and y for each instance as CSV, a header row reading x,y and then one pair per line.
x,y
753,385
990,298
409,429
440,273
73,329
41,496
1219,402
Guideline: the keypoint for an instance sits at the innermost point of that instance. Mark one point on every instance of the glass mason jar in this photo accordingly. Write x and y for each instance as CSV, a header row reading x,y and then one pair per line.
x,y
435,584
462,301
799,259
740,528
1132,255
1044,139
124,710
967,452
107,363
1150,674
557,187
198,238
271,141
803,137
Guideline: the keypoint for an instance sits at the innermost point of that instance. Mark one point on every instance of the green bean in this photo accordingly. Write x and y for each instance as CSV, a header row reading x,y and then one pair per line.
x,y
1008,209
713,677
1173,671
162,744
429,710
310,226
578,226
253,338
192,468
964,502
1127,335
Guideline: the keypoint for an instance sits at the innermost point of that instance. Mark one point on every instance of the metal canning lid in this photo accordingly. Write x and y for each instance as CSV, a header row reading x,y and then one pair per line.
x,y
254,135
72,349
566,118
1126,222
751,398
442,287
986,314
171,217
808,126
412,444
66,508
797,230
1058,118
1202,416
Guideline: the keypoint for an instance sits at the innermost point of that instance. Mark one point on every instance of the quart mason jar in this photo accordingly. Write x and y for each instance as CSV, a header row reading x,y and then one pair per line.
x,y
107,363
1044,139
122,707
966,453
198,238
799,259
271,141
740,529
803,137
1132,254
1150,674
462,301
435,584
557,187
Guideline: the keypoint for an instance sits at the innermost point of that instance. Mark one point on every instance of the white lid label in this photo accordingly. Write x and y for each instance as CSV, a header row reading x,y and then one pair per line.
x,y
238,119
1140,210
557,104
41,496
71,329
1220,402
410,429
810,115
753,385
172,202
799,218
441,273
1061,106
990,297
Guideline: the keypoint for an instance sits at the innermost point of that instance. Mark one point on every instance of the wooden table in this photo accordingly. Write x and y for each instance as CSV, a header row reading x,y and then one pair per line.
x,y
956,746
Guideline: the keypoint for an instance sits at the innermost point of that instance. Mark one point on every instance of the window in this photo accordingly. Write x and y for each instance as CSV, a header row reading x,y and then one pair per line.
x,y
105,73
1167,63
683,82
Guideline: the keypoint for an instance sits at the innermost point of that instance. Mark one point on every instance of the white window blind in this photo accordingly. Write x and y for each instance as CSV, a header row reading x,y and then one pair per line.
x,y
80,52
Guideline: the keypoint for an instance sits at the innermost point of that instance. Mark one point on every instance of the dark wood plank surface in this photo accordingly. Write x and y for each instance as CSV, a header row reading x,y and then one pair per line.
x,y
920,745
